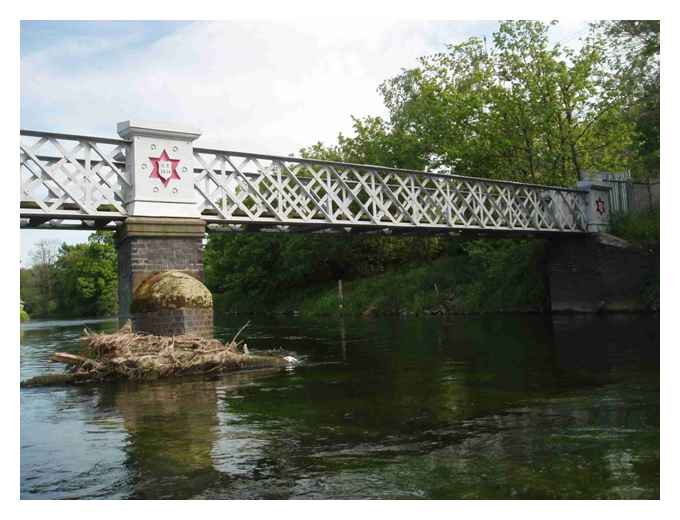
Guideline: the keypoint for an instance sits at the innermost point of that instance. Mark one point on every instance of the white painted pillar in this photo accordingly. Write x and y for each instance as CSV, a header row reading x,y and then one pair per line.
x,y
160,167
598,205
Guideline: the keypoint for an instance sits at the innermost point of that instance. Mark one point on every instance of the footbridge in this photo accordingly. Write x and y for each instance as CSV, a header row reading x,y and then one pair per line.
x,y
161,194
83,182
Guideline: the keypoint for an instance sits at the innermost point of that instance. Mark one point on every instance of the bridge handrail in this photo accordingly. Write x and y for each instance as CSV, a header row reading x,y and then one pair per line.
x,y
93,178
85,181
390,169
73,137
305,160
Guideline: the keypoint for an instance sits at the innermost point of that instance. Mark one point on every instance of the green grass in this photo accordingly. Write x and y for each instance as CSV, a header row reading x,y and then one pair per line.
x,y
482,276
408,290
642,228
477,276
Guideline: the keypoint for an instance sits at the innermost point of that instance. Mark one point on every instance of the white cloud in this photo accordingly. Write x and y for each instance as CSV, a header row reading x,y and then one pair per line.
x,y
270,87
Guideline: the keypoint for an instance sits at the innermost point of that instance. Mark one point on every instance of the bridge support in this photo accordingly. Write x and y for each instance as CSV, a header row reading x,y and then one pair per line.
x,y
151,245
597,273
162,238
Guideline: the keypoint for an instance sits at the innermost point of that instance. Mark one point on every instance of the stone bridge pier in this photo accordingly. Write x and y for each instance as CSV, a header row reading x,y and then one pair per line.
x,y
160,244
148,246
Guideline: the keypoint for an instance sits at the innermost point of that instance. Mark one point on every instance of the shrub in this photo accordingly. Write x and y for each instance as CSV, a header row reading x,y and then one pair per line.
x,y
642,228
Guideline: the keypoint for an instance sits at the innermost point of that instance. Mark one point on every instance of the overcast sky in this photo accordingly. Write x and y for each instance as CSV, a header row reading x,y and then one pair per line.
x,y
269,87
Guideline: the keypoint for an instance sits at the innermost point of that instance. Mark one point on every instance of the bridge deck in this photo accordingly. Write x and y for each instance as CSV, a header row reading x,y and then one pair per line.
x,y
80,182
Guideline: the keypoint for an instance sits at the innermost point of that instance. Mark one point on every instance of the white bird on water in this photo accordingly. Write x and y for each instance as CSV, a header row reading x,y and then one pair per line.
x,y
291,360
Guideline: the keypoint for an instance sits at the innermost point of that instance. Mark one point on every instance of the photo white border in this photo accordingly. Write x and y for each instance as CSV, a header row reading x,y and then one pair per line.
x,y
259,9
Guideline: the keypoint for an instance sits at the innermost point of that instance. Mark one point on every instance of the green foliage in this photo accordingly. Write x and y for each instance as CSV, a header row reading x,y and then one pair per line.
x,y
406,290
27,290
504,274
23,315
479,276
633,50
521,109
643,228
262,266
37,282
77,280
87,277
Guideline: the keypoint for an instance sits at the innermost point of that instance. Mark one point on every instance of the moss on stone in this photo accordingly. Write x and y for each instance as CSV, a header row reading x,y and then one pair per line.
x,y
170,290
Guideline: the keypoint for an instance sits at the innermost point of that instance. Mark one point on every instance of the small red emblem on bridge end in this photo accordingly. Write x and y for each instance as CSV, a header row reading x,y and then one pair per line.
x,y
164,168
599,203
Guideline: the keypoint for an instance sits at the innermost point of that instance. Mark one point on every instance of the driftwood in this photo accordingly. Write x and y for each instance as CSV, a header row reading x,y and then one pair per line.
x,y
67,359
127,355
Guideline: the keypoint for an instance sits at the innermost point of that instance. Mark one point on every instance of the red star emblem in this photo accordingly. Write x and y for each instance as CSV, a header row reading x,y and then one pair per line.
x,y
599,206
164,168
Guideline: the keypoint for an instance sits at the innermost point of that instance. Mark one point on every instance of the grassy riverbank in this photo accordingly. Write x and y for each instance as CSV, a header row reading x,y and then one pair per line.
x,y
484,276
469,277
641,228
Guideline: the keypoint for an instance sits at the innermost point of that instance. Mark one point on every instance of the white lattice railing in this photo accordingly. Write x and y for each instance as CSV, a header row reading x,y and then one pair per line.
x,y
69,177
80,182
239,188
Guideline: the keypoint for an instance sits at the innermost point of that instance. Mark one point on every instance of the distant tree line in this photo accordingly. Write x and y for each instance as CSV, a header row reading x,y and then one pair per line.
x,y
71,280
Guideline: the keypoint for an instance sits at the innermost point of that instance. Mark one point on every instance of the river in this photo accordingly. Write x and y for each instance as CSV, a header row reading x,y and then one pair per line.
x,y
502,406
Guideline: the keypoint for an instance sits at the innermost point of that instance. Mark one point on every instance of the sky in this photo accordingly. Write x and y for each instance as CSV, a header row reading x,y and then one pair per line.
x,y
268,87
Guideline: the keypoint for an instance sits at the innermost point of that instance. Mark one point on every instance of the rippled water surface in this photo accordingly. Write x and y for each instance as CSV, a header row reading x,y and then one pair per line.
x,y
463,407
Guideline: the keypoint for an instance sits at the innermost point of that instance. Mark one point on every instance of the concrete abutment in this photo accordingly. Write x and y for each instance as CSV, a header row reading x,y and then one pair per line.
x,y
599,273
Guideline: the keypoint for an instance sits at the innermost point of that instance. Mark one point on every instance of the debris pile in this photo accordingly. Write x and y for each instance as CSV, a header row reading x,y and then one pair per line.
x,y
128,355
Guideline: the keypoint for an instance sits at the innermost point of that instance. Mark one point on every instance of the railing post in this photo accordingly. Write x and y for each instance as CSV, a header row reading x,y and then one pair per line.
x,y
598,205
160,168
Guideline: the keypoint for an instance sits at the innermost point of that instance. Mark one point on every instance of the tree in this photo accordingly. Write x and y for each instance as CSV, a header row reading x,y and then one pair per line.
x,y
40,288
633,51
266,265
523,109
87,277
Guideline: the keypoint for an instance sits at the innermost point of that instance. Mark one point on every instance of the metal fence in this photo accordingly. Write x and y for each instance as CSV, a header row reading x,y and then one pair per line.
x,y
628,195
620,195
67,177
236,187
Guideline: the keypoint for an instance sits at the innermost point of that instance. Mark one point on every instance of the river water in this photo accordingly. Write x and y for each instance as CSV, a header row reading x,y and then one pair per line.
x,y
461,407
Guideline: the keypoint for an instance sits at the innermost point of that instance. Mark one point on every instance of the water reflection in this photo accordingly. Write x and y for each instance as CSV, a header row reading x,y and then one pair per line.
x,y
482,407
171,433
